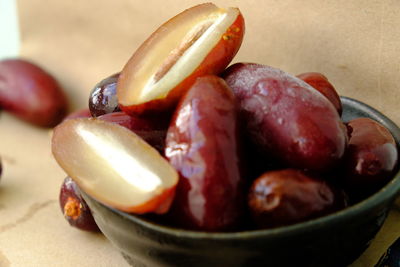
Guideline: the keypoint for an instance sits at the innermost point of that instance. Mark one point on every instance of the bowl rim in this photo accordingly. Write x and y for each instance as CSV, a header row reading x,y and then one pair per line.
x,y
390,190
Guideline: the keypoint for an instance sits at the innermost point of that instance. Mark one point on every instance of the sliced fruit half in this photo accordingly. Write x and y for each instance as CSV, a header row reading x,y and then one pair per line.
x,y
201,40
114,165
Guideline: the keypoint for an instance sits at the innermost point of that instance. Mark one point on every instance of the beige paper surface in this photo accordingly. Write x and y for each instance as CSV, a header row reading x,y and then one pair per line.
x,y
354,43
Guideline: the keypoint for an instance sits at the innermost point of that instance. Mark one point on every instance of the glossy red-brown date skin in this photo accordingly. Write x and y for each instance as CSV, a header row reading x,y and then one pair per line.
x,y
203,145
74,207
289,196
31,93
371,156
322,85
288,118
103,97
150,129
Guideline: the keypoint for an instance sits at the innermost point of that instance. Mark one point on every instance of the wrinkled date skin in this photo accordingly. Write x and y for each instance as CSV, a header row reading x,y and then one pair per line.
x,y
290,196
74,207
31,93
202,144
371,156
149,129
289,119
103,97
322,85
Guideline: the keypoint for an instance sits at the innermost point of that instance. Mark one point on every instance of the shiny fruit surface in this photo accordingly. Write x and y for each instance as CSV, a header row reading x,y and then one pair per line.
x,y
31,93
321,84
203,145
371,157
200,40
290,196
74,207
103,97
149,129
287,118
114,165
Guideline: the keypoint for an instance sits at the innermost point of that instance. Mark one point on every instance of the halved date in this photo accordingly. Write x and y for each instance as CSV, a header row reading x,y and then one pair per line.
x,y
199,41
150,130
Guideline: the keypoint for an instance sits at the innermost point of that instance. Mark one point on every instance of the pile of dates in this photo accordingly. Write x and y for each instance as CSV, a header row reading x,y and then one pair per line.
x,y
181,138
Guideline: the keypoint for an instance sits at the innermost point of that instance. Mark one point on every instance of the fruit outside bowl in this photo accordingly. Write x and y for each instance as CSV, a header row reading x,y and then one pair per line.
x,y
334,240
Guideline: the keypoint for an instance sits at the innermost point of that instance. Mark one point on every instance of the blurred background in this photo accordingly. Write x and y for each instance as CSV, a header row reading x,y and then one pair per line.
x,y
352,42
9,31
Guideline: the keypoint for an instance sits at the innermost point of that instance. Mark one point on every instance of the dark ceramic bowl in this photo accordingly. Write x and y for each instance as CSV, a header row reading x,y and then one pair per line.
x,y
334,240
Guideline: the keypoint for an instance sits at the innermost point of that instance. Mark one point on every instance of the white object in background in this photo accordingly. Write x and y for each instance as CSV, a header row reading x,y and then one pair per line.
x,y
9,29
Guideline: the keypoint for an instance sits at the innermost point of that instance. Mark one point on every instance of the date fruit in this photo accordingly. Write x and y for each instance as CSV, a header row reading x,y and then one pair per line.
x,y
371,156
31,93
103,97
289,196
150,130
74,207
114,165
288,118
319,82
201,40
203,145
